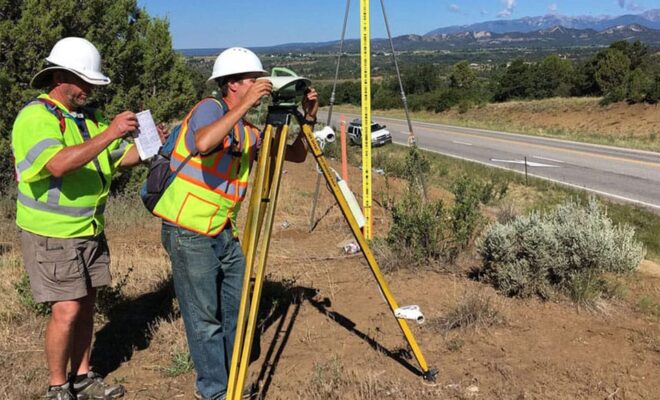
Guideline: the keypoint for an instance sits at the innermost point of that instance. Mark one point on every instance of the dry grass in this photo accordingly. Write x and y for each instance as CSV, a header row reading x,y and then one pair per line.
x,y
476,309
139,266
332,381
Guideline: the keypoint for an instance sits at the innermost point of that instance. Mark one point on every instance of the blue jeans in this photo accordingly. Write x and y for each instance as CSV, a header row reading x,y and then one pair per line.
x,y
208,279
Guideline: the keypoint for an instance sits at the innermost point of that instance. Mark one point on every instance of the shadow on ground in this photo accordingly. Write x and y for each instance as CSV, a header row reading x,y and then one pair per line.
x,y
131,326
287,301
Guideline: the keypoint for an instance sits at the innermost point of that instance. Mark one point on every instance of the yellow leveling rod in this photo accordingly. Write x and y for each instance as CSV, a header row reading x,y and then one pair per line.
x,y
365,68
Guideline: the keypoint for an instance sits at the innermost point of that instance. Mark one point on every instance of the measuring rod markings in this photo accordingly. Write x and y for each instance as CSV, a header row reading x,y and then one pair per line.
x,y
365,55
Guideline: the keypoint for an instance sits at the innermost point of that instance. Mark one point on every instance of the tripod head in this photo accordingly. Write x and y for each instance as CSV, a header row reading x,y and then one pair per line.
x,y
288,87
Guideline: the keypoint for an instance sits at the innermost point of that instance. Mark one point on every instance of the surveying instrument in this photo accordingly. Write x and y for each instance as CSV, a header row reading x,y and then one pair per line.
x,y
287,91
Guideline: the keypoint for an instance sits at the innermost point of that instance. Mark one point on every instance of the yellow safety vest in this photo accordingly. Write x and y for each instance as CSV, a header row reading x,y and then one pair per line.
x,y
208,190
72,205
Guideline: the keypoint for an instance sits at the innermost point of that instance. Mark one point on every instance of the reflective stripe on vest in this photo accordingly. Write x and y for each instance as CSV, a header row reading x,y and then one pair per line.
x,y
207,191
222,175
59,209
34,153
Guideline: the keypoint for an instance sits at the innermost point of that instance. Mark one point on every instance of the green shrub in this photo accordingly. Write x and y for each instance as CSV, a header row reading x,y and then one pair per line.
x,y
649,305
565,250
465,212
425,230
129,181
469,194
418,228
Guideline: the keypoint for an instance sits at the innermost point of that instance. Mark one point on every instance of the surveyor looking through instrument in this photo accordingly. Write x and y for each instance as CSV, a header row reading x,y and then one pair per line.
x,y
217,147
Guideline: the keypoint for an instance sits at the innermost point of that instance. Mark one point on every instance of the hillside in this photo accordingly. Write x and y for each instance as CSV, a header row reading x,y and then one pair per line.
x,y
326,332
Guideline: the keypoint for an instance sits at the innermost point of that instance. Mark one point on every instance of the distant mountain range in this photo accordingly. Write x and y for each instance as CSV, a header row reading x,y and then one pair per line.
x,y
529,32
649,19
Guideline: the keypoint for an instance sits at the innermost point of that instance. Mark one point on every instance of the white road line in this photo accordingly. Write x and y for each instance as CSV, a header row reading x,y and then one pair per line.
x,y
548,159
606,194
463,143
521,135
529,163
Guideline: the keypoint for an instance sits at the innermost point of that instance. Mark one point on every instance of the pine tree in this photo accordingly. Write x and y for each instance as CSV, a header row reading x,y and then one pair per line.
x,y
136,50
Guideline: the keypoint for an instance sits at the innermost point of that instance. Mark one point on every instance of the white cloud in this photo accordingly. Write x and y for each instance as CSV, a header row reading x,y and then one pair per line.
x,y
552,8
454,8
509,5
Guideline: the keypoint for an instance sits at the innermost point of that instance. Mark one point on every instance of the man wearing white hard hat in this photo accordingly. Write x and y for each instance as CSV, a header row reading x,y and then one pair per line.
x,y
217,147
65,156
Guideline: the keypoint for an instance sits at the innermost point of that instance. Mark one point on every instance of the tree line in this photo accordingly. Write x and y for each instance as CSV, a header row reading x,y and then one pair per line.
x,y
624,71
137,55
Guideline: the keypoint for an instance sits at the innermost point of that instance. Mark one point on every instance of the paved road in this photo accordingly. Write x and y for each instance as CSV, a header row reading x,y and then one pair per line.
x,y
628,175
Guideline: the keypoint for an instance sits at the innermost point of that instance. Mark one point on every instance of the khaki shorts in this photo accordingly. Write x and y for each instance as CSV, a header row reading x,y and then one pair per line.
x,y
64,269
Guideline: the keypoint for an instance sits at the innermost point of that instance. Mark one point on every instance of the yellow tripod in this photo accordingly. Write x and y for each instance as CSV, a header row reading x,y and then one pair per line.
x,y
263,203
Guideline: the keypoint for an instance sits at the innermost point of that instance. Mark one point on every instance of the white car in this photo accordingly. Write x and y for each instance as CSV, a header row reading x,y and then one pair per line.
x,y
379,135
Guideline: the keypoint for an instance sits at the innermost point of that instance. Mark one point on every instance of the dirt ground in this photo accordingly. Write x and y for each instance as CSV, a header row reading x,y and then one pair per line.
x,y
328,334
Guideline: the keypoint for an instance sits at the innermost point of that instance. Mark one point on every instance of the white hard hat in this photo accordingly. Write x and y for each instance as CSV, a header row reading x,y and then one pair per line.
x,y
76,55
236,60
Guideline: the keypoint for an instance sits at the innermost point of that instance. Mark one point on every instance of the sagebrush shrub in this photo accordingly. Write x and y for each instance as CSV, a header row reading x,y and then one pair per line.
x,y
566,249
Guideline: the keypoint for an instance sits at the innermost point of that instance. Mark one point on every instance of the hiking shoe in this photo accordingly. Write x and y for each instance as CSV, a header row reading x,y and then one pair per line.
x,y
93,388
62,392
250,392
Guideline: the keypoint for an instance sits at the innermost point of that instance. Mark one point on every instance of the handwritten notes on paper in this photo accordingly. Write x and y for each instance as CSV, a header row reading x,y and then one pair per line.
x,y
146,137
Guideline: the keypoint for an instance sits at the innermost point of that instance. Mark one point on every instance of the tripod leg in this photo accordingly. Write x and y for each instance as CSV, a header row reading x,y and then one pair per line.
x,y
312,218
249,244
259,188
428,373
234,390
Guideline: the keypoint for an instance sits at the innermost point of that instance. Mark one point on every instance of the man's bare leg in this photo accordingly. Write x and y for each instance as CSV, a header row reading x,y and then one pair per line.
x,y
83,332
59,339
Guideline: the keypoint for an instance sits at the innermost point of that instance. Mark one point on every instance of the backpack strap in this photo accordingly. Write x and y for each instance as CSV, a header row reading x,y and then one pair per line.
x,y
54,109
80,123
189,156
90,114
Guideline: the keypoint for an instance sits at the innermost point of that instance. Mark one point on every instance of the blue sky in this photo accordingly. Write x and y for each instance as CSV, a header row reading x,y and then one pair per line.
x,y
248,23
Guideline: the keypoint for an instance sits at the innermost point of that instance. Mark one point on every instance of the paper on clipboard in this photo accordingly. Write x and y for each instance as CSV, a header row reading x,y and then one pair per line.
x,y
146,136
